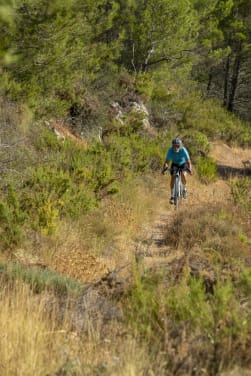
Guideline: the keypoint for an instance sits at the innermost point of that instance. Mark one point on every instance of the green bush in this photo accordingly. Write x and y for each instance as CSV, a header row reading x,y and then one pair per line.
x,y
167,317
209,118
47,141
12,219
143,310
47,217
241,192
206,169
52,193
188,301
244,282
135,154
197,144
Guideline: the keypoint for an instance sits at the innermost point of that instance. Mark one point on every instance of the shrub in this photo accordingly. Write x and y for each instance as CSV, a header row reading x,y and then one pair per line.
x,y
12,219
241,192
206,169
183,316
211,231
144,307
49,194
47,141
134,154
47,217
197,144
241,188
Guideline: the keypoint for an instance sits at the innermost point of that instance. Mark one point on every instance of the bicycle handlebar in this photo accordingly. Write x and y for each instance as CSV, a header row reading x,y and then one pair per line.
x,y
164,170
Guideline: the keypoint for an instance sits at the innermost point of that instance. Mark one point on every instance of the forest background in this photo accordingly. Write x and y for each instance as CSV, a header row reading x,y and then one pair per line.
x,y
123,78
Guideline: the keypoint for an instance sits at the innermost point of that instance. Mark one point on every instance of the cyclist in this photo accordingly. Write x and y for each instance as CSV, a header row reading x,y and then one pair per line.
x,y
179,156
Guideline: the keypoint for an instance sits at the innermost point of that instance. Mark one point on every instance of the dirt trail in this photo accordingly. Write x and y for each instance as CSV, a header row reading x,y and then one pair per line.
x,y
153,251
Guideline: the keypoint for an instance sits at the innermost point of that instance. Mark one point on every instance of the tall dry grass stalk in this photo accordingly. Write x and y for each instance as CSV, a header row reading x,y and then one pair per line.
x,y
31,342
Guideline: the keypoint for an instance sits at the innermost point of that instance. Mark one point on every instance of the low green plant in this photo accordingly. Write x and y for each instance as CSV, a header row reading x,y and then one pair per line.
x,y
47,141
214,324
12,218
47,217
197,144
206,169
50,193
41,279
188,301
241,192
244,282
244,238
143,304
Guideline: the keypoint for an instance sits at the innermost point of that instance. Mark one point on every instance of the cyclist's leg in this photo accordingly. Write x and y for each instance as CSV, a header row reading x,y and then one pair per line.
x,y
172,181
184,181
184,177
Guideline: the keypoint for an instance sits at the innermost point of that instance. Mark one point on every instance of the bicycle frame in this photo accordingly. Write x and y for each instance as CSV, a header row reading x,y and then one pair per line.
x,y
178,187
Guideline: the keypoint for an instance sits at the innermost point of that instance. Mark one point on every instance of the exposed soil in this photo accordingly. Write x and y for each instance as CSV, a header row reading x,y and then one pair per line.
x,y
229,156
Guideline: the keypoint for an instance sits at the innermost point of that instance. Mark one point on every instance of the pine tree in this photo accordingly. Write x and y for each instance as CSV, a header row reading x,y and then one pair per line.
x,y
158,31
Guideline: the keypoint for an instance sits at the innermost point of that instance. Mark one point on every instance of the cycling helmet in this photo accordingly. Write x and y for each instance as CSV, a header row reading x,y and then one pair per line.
x,y
176,142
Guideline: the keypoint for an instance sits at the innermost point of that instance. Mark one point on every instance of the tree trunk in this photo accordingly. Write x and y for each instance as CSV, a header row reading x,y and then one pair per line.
x,y
226,79
234,81
209,83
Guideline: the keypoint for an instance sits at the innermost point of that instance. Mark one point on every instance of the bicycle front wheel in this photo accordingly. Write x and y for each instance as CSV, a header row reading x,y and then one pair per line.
x,y
177,189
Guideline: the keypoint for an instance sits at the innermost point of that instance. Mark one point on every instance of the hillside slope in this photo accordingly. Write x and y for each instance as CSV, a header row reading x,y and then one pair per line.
x,y
151,247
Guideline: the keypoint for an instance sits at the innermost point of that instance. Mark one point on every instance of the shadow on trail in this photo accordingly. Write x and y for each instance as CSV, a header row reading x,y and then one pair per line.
x,y
227,172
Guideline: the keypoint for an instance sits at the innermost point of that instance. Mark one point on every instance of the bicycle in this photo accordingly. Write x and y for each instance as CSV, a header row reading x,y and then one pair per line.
x,y
178,186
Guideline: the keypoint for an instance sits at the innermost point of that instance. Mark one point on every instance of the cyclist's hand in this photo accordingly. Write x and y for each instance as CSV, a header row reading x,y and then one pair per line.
x,y
164,170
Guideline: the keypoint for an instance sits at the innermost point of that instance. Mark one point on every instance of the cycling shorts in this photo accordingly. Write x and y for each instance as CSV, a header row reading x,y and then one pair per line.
x,y
174,167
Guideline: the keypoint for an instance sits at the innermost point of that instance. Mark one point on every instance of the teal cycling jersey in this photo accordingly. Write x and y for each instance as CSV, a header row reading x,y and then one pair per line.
x,y
180,157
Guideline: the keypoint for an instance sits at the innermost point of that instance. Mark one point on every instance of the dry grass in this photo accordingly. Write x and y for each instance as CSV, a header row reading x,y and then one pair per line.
x,y
34,342
31,343
208,227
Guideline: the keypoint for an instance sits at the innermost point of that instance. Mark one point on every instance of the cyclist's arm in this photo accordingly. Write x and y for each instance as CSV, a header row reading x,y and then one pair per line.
x,y
165,166
188,160
167,160
189,164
